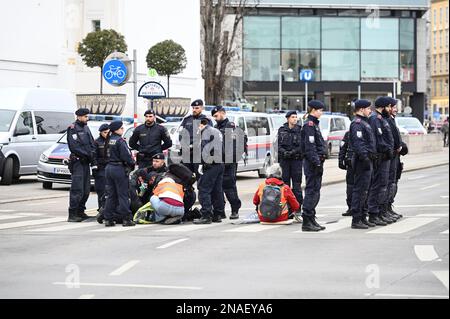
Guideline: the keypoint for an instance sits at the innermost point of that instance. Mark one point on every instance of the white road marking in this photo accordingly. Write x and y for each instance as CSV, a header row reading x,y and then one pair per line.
x,y
445,232
442,276
396,206
252,228
341,224
172,243
119,228
131,286
21,215
69,226
86,297
119,271
187,228
425,252
6,210
403,226
407,296
33,222
444,196
429,215
413,178
41,203
429,187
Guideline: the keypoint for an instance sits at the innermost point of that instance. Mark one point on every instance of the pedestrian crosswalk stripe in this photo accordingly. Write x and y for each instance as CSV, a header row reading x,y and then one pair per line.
x,y
15,216
32,222
431,215
119,228
68,226
445,232
442,276
6,210
426,252
187,228
403,226
255,228
330,228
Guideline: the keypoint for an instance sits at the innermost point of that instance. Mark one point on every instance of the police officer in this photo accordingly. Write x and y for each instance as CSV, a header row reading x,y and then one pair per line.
x,y
147,139
99,172
363,144
82,154
188,129
232,137
117,185
290,154
345,163
314,151
210,192
400,149
385,153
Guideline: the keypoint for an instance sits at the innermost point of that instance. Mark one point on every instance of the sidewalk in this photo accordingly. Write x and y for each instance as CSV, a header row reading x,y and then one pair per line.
x,y
412,162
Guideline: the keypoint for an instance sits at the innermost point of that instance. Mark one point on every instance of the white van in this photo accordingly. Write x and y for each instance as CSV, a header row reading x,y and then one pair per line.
x,y
31,120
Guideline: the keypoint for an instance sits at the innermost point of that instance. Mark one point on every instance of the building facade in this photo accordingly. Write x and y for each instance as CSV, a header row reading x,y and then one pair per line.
x,y
351,47
439,59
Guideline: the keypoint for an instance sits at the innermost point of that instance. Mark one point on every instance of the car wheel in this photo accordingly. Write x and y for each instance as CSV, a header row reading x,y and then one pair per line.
x,y
47,185
8,172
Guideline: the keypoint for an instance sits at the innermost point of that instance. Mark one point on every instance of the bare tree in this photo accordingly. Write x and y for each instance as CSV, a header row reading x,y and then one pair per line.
x,y
218,42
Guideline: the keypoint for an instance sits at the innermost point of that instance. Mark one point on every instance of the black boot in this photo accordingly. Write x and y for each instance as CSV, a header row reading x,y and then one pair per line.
x,y
83,215
385,218
203,220
217,219
358,224
391,210
100,218
367,222
128,223
347,213
109,223
73,217
308,225
234,215
375,220
313,219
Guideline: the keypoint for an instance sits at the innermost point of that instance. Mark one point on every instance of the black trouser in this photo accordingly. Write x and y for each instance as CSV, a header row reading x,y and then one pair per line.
x,y
193,167
210,191
80,187
100,185
378,192
292,170
361,187
229,186
312,188
392,185
350,181
117,189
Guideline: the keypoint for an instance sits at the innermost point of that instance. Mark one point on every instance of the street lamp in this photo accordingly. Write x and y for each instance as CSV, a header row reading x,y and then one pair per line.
x,y
280,84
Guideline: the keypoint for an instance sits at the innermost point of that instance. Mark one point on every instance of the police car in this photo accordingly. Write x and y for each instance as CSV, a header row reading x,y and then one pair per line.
x,y
52,166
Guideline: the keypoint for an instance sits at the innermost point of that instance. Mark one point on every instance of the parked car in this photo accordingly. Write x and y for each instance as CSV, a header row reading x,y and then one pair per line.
x,y
333,127
31,120
52,166
411,124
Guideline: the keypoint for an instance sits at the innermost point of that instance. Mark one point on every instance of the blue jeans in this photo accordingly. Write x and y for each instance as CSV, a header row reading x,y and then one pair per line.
x,y
163,210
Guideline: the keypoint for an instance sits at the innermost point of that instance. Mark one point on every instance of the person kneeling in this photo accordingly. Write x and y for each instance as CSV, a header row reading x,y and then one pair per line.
x,y
274,199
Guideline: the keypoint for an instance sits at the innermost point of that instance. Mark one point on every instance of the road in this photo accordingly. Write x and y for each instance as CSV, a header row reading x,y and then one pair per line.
x,y
45,257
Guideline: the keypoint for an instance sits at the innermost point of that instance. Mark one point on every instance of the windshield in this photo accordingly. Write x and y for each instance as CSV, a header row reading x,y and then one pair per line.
x,y
93,126
6,118
409,123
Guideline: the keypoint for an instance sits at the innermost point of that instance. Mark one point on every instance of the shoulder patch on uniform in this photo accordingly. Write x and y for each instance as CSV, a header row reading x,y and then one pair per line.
x,y
310,123
358,120
379,117
359,134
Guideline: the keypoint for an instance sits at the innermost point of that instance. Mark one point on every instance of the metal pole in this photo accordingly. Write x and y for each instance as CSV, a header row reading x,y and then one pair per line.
x,y
135,86
394,89
280,88
359,92
306,96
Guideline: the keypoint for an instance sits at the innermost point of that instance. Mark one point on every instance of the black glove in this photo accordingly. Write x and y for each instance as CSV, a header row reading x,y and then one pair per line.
x,y
342,165
287,154
404,150
388,155
348,163
366,163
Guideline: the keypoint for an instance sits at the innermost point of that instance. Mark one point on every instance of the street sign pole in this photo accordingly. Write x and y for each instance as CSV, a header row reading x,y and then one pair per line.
x,y
135,85
306,96
280,90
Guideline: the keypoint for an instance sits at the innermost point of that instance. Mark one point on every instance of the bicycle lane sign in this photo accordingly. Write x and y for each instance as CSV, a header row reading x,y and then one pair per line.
x,y
115,72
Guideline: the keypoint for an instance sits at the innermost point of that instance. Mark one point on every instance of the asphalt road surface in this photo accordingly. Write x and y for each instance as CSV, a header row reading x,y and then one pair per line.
x,y
42,256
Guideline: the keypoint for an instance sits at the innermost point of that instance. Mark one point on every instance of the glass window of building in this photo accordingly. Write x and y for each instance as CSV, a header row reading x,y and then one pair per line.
x,y
434,63
446,38
440,16
340,33
340,65
440,63
379,34
300,33
293,61
406,34
261,65
379,64
441,42
262,32
434,39
407,71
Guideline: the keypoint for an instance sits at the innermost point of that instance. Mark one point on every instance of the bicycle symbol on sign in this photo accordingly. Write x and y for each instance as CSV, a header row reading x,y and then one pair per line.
x,y
114,72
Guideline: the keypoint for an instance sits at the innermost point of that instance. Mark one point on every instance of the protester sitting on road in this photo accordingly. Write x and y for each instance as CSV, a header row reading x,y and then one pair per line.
x,y
274,199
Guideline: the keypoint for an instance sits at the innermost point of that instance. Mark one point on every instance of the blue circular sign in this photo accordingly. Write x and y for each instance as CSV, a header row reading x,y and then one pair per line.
x,y
115,72
437,115
306,75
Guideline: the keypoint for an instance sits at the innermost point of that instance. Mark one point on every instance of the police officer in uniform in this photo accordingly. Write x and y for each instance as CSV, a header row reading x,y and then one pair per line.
x,y
99,172
363,144
147,139
117,170
188,129
345,163
82,155
314,151
290,154
210,191
380,179
231,137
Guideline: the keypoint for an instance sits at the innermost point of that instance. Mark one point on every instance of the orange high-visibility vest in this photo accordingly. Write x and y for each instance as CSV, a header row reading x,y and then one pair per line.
x,y
167,188
283,198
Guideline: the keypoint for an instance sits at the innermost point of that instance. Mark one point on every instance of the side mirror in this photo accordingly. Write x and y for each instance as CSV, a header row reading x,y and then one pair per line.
x,y
22,131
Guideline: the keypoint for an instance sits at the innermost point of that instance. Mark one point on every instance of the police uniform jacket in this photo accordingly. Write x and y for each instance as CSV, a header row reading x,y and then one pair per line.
x,y
80,141
118,151
345,150
312,143
230,134
289,141
100,152
147,139
211,142
188,124
395,132
362,138
383,133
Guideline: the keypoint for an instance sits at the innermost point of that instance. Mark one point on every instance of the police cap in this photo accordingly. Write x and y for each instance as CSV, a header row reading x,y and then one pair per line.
x,y
115,125
290,113
393,101
316,104
82,112
103,127
159,156
383,101
149,112
362,104
217,109
198,102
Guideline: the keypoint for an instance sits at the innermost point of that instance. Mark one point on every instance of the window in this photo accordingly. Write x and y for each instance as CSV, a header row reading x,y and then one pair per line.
x,y
441,91
446,62
261,65
379,64
262,32
340,33
337,124
293,61
340,65
96,25
446,38
300,33
440,63
25,123
434,17
407,66
434,40
406,34
6,118
434,63
257,126
440,16
52,122
440,39
379,34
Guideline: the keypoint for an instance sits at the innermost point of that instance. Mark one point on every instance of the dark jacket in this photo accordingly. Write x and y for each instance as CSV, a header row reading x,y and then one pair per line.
x,y
362,138
147,139
383,134
211,143
118,151
191,127
100,152
234,141
289,142
345,151
313,145
80,142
